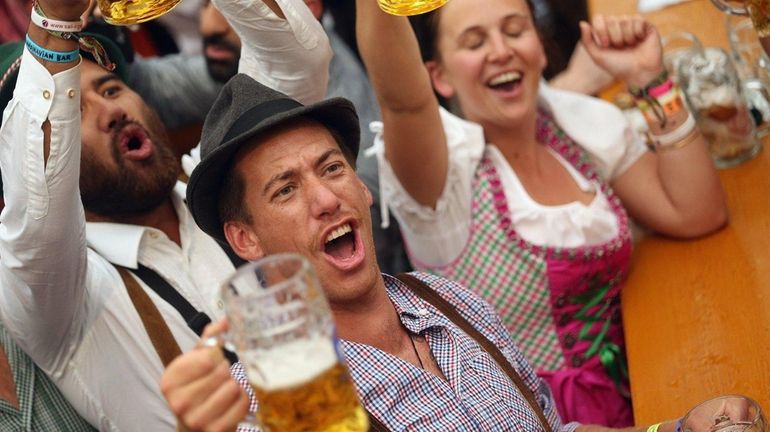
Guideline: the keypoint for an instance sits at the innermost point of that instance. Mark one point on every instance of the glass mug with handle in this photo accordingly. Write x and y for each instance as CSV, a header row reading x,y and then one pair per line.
x,y
732,413
715,96
409,7
127,12
283,331
758,10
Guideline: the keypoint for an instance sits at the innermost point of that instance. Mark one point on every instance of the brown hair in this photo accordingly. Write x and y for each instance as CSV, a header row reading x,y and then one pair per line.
x,y
425,27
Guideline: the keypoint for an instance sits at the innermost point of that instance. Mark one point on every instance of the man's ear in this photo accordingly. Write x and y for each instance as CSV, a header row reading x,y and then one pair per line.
x,y
243,240
438,79
367,192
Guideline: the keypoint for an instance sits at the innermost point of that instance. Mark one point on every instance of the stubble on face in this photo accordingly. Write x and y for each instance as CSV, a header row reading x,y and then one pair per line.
x,y
222,70
122,187
297,223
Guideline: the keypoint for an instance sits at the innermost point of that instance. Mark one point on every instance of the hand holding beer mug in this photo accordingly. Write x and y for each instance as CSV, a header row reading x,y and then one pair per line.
x,y
283,331
725,414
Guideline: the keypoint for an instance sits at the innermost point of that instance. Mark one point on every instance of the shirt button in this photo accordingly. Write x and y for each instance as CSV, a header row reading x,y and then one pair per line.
x,y
569,340
576,361
71,93
153,235
46,94
422,312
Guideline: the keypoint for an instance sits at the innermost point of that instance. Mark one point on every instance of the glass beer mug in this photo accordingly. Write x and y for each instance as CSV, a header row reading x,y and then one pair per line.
x,y
758,10
715,96
283,331
410,7
127,12
732,413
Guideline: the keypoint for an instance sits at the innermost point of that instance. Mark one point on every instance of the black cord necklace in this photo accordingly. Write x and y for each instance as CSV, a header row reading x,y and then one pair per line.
x,y
419,359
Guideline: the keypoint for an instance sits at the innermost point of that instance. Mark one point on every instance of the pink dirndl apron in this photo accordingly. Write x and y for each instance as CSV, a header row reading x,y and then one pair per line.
x,y
561,305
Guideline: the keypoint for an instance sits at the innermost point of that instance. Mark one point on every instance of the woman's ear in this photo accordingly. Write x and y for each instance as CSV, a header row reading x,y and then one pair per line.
x,y
243,240
439,80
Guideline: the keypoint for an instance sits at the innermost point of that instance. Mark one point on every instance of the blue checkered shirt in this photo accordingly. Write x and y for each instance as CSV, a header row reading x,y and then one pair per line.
x,y
478,395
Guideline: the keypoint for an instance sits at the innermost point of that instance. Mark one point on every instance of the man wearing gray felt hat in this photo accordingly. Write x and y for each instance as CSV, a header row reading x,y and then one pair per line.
x,y
244,111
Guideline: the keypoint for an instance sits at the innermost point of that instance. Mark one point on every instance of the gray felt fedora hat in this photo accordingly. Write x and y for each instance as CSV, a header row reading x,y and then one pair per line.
x,y
243,110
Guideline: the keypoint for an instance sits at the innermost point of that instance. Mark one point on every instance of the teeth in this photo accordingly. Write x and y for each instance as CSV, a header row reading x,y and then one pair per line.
x,y
505,78
339,232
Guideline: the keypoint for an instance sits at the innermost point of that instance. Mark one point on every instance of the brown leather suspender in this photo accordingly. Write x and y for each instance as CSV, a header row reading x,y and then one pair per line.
x,y
168,349
156,327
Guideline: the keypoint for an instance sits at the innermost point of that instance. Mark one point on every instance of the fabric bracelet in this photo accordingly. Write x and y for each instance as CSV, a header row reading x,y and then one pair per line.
x,y
684,142
662,89
665,105
654,428
53,56
677,134
54,25
87,43
641,92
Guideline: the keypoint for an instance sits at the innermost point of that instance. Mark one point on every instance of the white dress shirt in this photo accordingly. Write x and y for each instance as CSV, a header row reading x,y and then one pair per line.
x,y
435,237
60,298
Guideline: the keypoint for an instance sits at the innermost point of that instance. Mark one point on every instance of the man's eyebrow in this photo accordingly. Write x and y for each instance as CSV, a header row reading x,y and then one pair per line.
x,y
100,81
326,155
277,178
291,172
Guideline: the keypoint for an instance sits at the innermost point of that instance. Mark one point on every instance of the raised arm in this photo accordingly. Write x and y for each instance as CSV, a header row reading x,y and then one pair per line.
x,y
675,191
42,234
415,144
283,46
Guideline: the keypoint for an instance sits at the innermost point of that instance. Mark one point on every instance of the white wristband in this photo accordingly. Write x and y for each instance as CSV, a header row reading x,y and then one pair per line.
x,y
55,25
676,135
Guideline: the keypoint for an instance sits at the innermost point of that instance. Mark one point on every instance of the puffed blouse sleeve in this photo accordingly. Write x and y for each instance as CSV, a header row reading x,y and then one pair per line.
x,y
434,236
597,126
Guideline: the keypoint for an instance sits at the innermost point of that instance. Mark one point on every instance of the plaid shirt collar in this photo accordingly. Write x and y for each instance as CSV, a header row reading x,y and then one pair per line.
x,y
415,313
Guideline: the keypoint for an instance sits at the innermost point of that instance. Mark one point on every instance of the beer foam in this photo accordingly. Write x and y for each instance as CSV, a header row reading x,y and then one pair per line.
x,y
291,364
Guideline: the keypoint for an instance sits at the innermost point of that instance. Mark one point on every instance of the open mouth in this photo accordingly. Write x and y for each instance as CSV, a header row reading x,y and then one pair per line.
x,y
134,143
342,247
341,243
505,82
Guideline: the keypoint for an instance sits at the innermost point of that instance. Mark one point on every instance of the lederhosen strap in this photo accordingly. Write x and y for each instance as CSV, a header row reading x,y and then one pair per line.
x,y
196,320
426,293
375,425
160,335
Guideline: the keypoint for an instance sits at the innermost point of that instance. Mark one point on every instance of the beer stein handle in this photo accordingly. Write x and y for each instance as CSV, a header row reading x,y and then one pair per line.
x,y
222,340
757,94
732,7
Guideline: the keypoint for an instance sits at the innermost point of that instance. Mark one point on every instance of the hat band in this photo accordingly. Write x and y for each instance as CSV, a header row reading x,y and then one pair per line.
x,y
258,114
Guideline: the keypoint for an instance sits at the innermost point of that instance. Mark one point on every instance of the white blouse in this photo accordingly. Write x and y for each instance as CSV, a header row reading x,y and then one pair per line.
x,y
435,237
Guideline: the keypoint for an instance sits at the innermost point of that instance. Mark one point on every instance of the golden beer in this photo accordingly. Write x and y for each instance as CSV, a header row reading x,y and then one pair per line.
x,y
126,12
759,11
283,332
410,7
328,403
